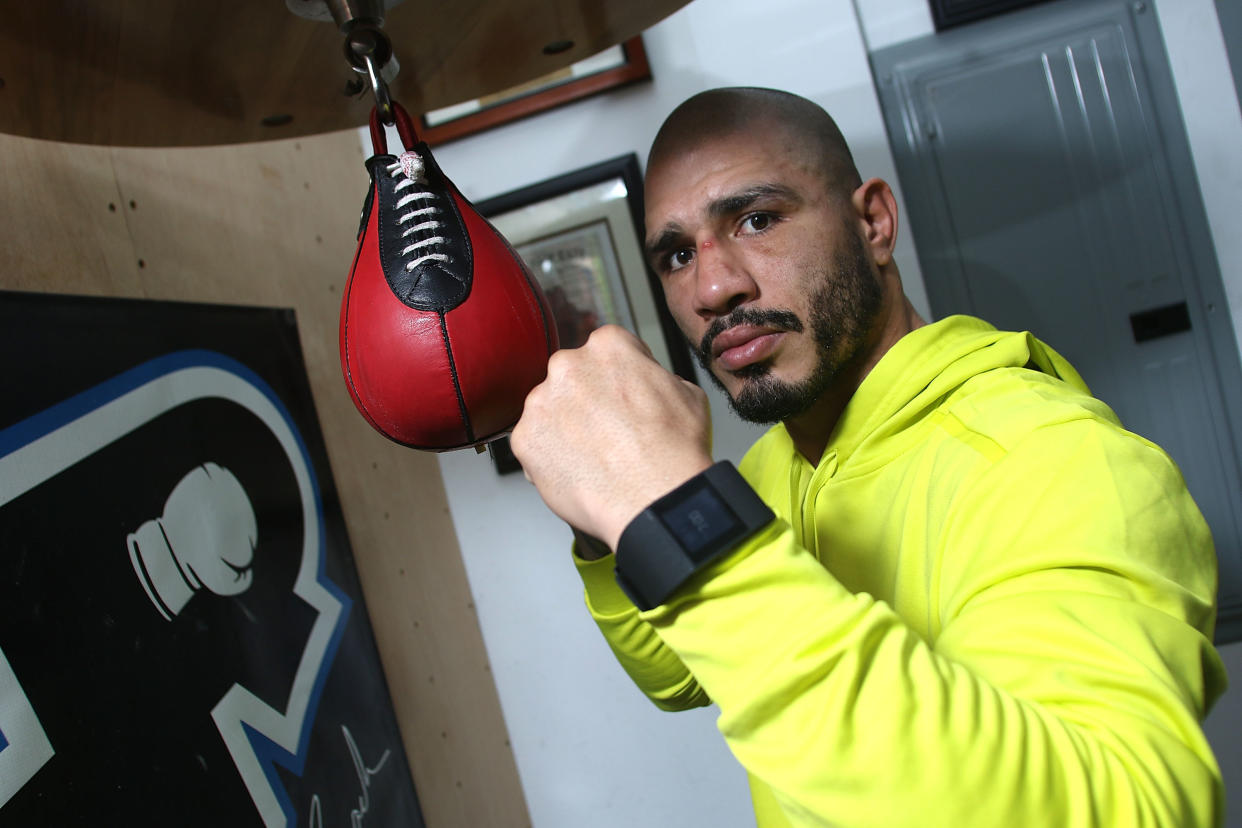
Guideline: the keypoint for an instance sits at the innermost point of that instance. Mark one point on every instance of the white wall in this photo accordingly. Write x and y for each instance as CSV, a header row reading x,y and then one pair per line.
x,y
589,749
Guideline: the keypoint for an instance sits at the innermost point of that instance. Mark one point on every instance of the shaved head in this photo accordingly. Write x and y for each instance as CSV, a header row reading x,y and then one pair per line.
x,y
774,256
803,128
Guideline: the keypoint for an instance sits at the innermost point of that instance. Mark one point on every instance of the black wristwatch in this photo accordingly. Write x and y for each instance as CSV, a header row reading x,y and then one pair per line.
x,y
688,528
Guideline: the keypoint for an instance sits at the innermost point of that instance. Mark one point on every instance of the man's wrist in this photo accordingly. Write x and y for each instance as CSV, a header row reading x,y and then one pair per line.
x,y
589,547
654,487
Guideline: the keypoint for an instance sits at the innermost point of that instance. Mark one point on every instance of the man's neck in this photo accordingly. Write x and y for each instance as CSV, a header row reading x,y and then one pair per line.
x,y
812,429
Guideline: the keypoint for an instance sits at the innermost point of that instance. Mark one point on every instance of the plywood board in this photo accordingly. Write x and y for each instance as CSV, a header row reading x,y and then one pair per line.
x,y
274,224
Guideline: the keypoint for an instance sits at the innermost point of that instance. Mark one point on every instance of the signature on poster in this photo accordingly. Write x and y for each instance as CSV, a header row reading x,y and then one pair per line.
x,y
363,774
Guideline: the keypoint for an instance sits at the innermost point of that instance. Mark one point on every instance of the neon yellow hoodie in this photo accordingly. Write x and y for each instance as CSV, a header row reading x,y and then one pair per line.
x,y
987,605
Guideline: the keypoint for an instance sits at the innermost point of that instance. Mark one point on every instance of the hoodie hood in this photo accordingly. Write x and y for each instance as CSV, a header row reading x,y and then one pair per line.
x,y
927,365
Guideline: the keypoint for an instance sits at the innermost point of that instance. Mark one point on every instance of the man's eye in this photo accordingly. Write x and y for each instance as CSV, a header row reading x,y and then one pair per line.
x,y
679,259
756,222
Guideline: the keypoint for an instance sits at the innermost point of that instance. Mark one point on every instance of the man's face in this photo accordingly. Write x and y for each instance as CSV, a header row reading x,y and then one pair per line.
x,y
764,271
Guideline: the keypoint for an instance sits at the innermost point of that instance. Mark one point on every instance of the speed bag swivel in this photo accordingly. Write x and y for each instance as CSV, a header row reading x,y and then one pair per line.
x,y
443,328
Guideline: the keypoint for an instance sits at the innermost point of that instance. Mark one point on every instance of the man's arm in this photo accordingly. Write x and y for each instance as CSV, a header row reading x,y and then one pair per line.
x,y
656,670
606,434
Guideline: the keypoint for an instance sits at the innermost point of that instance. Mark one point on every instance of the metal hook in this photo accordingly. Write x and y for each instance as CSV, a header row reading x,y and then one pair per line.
x,y
369,53
383,102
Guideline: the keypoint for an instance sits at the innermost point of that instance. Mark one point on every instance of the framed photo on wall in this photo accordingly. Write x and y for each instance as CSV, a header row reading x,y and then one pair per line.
x,y
580,274
581,235
612,68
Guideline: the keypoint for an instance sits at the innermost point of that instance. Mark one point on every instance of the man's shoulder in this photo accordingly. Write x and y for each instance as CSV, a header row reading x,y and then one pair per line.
x,y
1008,405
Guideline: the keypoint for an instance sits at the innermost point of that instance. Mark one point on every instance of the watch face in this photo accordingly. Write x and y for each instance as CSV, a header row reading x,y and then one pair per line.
x,y
700,521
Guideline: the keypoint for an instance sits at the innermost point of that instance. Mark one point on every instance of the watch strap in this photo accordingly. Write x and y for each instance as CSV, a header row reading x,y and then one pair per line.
x,y
684,531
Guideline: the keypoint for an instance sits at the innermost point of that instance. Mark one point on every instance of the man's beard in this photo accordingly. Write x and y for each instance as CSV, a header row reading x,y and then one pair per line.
x,y
842,313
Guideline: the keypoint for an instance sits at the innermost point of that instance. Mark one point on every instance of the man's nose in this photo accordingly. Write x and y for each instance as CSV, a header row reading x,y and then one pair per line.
x,y
724,281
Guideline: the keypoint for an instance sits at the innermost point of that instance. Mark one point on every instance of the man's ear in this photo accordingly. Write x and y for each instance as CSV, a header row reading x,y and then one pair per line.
x,y
877,210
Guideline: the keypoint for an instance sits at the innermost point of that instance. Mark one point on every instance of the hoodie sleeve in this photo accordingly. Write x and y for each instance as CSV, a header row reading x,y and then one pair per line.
x,y
1070,663
657,671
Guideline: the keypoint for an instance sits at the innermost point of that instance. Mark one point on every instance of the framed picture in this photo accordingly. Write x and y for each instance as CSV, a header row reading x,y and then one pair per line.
x,y
612,68
581,235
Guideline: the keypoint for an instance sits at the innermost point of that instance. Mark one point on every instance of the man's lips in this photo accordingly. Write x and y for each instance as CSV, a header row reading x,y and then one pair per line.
x,y
743,345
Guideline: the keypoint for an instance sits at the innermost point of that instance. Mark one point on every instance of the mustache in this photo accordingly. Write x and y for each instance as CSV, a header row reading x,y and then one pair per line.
x,y
780,319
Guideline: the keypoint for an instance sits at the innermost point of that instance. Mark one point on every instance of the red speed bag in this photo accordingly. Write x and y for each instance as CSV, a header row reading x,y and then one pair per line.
x,y
444,330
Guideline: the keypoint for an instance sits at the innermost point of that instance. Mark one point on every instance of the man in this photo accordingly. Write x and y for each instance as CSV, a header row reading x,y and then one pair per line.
x,y
980,602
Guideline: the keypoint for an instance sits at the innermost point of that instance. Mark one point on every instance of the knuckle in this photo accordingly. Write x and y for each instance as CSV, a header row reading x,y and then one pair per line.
x,y
608,336
559,365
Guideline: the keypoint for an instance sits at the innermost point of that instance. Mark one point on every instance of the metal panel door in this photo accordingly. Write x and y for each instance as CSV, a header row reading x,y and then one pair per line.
x,y
1230,15
1045,166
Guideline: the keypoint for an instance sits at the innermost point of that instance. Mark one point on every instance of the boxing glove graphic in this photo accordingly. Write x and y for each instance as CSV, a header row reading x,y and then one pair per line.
x,y
443,328
204,540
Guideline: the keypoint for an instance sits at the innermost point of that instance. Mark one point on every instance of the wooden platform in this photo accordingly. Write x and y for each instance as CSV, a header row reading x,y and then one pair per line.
x,y
191,72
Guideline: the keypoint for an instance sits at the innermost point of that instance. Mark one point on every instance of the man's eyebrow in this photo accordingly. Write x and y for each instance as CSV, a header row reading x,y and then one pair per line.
x,y
669,238
740,201
673,235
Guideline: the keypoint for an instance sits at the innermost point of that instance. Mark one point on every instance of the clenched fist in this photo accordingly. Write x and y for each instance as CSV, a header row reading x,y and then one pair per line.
x,y
609,431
